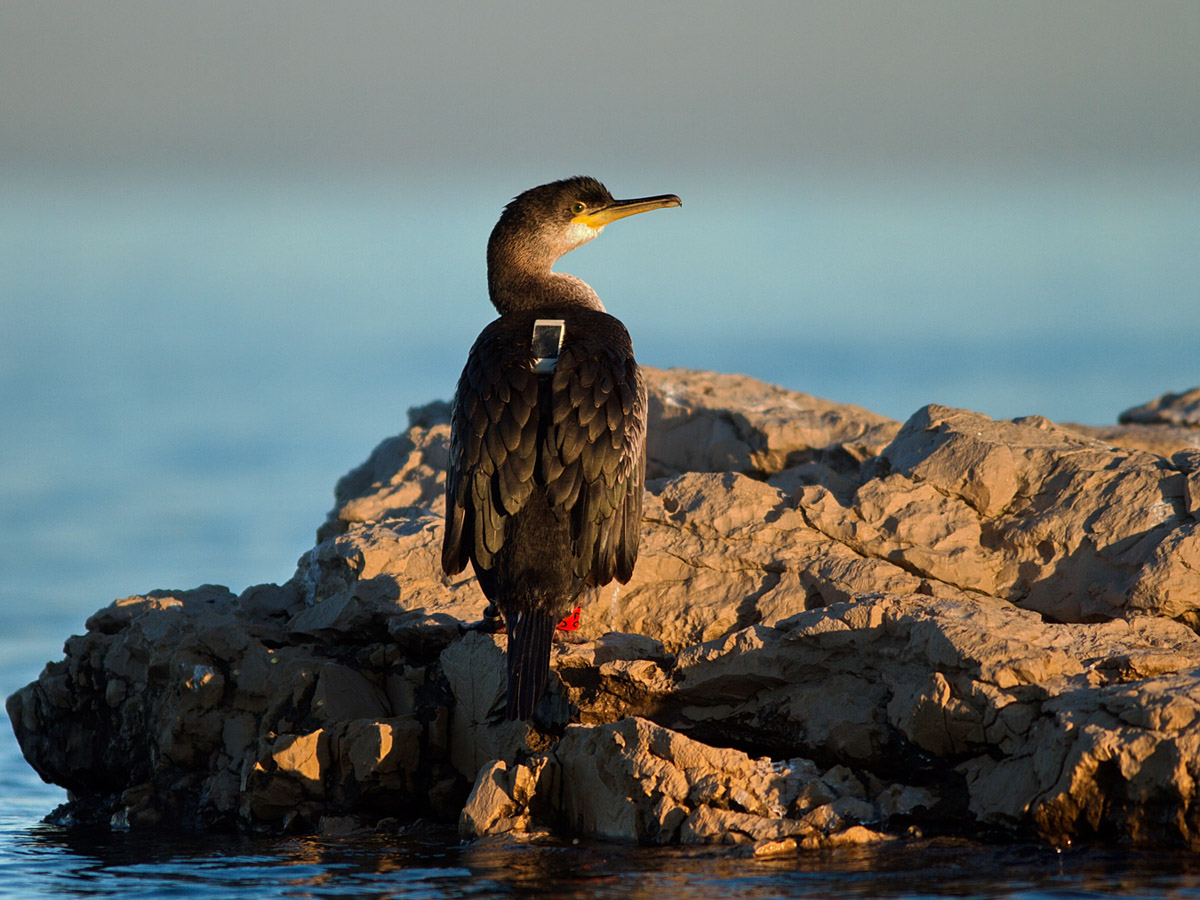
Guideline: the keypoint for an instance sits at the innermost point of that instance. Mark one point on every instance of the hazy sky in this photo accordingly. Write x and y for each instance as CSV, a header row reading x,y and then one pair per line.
x,y
196,360
561,86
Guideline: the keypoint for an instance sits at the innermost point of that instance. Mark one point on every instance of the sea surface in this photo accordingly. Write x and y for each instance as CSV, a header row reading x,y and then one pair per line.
x,y
188,364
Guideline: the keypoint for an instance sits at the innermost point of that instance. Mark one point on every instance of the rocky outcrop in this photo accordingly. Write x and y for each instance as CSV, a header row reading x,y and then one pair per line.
x,y
1167,425
1169,409
840,629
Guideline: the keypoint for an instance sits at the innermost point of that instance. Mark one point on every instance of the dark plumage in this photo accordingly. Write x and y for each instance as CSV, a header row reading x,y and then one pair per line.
x,y
544,489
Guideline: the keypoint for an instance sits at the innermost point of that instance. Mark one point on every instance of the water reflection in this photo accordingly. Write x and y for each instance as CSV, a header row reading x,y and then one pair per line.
x,y
88,863
432,863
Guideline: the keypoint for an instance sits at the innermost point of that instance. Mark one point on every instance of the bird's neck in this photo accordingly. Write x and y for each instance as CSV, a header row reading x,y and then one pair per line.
x,y
522,285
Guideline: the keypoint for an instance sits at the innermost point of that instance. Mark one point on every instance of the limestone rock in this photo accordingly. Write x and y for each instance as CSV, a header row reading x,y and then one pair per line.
x,y
1035,515
405,471
698,422
703,422
1163,440
1169,409
634,780
1166,426
839,628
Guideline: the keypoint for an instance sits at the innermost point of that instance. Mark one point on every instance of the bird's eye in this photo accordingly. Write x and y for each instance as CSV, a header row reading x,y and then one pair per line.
x,y
577,207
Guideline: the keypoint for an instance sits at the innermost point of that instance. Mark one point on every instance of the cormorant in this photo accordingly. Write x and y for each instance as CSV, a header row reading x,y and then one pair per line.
x,y
548,430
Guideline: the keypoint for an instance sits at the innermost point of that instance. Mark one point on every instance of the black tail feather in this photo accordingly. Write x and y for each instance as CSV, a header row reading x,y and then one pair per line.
x,y
529,636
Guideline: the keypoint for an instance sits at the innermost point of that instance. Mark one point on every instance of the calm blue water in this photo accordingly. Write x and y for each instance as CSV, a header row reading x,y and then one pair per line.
x,y
188,365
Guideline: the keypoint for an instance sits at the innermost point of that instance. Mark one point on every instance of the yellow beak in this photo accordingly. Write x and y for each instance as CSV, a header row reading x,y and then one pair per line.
x,y
619,209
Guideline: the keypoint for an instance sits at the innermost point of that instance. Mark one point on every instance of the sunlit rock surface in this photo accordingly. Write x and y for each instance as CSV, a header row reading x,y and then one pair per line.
x,y
1169,409
841,629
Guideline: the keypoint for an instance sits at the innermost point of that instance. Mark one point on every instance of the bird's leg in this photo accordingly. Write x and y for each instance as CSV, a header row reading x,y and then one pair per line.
x,y
491,623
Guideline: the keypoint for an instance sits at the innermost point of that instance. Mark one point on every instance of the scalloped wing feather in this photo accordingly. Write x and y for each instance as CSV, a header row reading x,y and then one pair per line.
x,y
588,454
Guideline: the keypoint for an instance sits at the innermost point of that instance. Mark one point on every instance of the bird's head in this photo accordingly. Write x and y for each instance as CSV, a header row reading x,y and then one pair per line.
x,y
545,222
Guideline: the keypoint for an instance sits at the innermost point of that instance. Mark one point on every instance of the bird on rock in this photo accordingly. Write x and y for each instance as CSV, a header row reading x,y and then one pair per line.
x,y
548,431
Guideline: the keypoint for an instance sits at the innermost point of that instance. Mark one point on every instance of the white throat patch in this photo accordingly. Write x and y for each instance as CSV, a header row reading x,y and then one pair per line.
x,y
578,233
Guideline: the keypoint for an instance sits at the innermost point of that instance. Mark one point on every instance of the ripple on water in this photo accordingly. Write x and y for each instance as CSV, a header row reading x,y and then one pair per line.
x,y
38,860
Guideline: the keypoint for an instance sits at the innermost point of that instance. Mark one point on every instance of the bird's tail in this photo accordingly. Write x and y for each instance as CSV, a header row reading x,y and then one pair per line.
x,y
529,634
